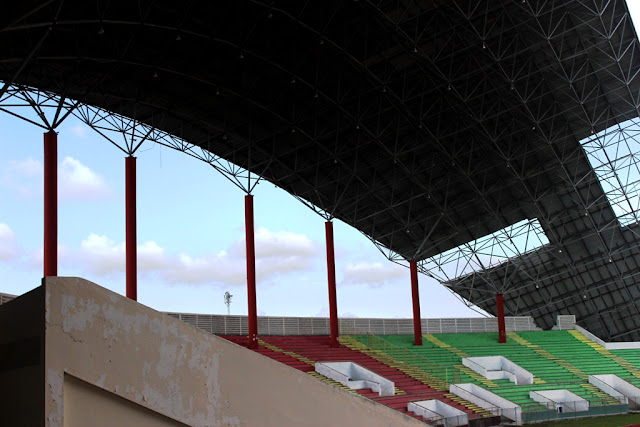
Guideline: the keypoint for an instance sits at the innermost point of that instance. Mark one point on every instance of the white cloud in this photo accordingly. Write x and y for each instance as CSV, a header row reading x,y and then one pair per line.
x,y
282,252
374,274
102,255
77,181
9,247
23,177
27,168
36,257
79,130
277,253
219,268
150,256
283,244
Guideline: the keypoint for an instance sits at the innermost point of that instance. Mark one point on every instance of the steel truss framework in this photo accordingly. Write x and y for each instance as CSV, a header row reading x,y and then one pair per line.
x,y
613,153
125,133
128,134
46,110
425,125
482,254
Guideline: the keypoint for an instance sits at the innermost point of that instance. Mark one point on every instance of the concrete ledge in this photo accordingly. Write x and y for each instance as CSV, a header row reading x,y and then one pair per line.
x,y
498,368
487,400
617,388
439,412
561,400
608,345
356,377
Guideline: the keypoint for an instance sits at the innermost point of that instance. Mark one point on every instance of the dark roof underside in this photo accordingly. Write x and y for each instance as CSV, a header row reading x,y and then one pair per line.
x,y
424,124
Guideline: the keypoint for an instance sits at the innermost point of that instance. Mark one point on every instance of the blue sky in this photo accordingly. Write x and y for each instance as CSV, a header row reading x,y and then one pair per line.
x,y
190,234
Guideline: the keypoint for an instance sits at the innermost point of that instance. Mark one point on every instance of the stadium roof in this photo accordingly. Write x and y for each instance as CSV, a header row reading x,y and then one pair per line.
x,y
424,124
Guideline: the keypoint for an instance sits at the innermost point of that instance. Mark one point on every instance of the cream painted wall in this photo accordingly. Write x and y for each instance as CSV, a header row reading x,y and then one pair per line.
x,y
174,369
88,405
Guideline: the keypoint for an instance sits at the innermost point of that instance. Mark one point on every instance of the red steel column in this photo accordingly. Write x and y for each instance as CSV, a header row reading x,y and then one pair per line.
x,y
251,271
331,275
502,331
130,225
417,325
50,204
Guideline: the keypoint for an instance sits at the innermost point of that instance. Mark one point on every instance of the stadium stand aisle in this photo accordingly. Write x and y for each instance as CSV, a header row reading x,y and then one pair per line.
x,y
586,356
618,356
478,378
542,351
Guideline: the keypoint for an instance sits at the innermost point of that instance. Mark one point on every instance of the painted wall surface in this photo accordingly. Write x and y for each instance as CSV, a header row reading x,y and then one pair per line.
x,y
162,364
490,401
562,398
498,368
356,377
608,345
89,405
441,412
617,388
21,360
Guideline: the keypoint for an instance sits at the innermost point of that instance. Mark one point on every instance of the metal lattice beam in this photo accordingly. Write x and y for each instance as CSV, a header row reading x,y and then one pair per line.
x,y
425,125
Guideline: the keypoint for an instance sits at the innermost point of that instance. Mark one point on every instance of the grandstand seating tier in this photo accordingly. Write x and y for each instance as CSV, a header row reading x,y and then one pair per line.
x,y
291,350
557,359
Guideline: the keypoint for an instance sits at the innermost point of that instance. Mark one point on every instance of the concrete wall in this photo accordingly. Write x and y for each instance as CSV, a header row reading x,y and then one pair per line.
x,y
563,400
498,368
565,322
89,405
5,298
490,401
617,388
128,355
274,325
439,412
356,377
22,360
608,345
